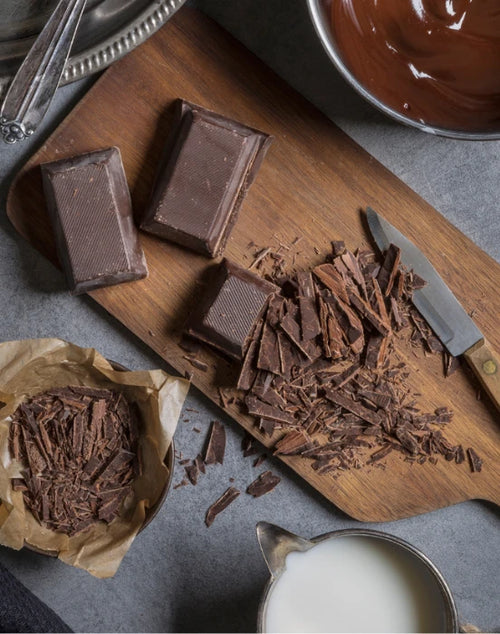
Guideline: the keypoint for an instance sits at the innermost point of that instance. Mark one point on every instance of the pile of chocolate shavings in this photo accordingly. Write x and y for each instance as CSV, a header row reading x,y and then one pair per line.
x,y
321,366
78,446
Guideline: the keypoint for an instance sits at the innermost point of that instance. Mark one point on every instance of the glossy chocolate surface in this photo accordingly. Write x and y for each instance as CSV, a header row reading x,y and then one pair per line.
x,y
210,163
435,61
89,205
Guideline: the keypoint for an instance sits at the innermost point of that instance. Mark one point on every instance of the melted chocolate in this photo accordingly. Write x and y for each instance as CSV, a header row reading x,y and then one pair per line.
x,y
435,61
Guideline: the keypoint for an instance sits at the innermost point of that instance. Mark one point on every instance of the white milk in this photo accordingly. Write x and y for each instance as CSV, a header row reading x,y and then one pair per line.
x,y
355,583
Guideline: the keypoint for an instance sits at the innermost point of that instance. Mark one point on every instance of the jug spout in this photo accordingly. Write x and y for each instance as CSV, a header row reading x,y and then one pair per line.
x,y
275,544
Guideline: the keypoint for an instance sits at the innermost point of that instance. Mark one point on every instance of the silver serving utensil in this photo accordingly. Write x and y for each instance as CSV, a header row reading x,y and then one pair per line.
x,y
36,81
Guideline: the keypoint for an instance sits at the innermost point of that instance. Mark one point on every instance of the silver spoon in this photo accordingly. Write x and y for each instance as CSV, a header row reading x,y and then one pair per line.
x,y
36,81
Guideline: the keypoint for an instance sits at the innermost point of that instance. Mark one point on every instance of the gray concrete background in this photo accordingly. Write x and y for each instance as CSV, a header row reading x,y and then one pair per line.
x,y
179,575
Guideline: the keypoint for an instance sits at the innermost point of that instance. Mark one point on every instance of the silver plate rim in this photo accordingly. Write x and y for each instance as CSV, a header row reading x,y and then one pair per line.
x,y
111,49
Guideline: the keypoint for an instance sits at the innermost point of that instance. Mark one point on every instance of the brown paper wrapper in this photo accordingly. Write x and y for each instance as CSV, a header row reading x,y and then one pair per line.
x,y
32,366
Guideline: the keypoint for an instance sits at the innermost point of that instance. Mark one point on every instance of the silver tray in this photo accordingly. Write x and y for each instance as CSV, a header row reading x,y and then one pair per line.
x,y
109,29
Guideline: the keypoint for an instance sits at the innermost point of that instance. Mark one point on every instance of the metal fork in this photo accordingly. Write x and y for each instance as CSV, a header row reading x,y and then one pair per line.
x,y
36,81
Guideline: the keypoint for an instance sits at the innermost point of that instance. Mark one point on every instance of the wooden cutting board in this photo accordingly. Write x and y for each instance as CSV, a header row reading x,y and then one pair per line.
x,y
311,185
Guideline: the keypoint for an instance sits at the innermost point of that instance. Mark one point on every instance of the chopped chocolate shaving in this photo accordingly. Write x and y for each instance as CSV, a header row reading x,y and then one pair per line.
x,y
263,410
476,464
216,445
263,484
451,364
293,442
309,320
333,280
78,447
389,269
221,504
353,406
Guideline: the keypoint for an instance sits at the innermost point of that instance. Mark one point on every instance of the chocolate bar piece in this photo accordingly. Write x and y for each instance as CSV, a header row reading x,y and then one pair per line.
x,y
210,163
227,313
91,212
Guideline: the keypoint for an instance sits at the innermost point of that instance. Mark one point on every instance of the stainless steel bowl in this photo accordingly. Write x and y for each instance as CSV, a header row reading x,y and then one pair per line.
x,y
321,24
276,543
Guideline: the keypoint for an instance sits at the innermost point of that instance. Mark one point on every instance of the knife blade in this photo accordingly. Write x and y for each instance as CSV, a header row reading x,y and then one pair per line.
x,y
440,308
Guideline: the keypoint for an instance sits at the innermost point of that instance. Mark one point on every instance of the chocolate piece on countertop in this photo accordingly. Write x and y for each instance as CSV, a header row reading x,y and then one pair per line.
x,y
89,205
235,299
210,163
216,444
263,484
221,504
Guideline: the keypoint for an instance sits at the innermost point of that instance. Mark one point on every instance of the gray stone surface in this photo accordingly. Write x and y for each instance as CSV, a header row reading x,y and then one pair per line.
x,y
179,575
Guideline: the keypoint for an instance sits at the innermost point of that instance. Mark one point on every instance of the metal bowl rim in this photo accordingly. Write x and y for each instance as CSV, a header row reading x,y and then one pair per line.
x,y
117,45
324,34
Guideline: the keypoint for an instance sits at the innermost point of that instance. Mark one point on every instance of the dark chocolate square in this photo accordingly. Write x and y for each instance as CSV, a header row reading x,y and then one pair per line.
x,y
89,205
234,300
210,164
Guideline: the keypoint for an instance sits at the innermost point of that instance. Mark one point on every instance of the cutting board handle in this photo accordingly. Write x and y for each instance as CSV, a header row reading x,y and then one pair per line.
x,y
486,364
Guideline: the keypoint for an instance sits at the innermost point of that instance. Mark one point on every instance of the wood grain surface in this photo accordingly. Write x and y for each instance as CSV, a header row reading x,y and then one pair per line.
x,y
312,185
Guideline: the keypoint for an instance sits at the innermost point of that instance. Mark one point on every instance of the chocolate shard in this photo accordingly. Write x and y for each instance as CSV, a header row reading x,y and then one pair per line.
x,y
369,314
451,364
476,464
221,504
216,445
353,406
293,442
333,280
292,329
309,319
263,484
209,165
258,408
375,353
91,213
269,355
389,269
233,302
352,265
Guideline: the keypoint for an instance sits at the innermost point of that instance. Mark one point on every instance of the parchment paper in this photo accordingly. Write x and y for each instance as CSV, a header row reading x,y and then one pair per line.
x,y
32,366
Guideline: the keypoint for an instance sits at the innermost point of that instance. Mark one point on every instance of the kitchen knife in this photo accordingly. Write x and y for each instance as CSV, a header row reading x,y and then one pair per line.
x,y
440,308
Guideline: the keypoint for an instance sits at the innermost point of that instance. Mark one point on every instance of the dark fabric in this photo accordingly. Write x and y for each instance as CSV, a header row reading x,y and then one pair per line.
x,y
21,611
